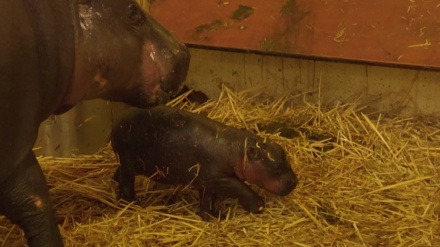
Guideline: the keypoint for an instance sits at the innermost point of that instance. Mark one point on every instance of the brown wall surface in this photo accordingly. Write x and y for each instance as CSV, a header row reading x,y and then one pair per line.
x,y
405,92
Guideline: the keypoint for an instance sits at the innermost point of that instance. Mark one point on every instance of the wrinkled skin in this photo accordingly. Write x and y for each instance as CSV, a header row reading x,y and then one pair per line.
x,y
55,53
181,148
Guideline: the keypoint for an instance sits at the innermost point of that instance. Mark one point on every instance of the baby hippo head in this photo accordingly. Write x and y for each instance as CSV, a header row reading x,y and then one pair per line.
x,y
266,166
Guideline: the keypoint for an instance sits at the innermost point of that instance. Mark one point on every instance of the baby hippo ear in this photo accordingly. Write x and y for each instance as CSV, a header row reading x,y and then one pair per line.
x,y
253,153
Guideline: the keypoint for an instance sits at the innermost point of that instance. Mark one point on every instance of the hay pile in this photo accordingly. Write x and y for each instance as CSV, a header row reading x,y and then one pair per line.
x,y
370,180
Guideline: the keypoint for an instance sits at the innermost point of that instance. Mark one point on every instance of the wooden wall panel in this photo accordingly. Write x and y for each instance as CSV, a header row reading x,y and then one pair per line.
x,y
57,136
396,90
340,81
427,93
299,78
393,89
210,69
404,92
81,130
407,92
272,74
253,71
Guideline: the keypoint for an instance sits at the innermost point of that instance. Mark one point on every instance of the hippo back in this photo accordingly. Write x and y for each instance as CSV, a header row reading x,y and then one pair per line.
x,y
166,138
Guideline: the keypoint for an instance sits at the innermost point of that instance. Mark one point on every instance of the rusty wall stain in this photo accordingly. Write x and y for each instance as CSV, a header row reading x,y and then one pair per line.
x,y
385,32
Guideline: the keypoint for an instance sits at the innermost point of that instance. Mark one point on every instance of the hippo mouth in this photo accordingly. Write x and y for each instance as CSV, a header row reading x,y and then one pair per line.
x,y
146,98
281,186
287,186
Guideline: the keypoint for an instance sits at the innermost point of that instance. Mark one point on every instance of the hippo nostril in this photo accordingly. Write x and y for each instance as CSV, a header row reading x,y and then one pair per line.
x,y
183,54
293,182
182,60
173,82
289,185
182,48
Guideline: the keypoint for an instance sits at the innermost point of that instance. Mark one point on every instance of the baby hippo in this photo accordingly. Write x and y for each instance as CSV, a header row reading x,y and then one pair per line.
x,y
181,148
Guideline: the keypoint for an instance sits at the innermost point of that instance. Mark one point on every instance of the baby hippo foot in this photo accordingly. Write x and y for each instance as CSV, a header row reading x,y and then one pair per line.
x,y
253,205
126,185
211,215
207,211
172,199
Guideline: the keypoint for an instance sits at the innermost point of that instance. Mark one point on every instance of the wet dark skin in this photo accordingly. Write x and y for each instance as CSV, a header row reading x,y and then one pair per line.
x,y
181,148
55,53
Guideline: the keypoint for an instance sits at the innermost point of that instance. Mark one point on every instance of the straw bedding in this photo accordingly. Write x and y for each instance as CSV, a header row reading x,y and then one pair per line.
x,y
364,180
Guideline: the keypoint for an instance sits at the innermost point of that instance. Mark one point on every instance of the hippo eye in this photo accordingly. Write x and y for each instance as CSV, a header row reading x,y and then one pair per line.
x,y
136,15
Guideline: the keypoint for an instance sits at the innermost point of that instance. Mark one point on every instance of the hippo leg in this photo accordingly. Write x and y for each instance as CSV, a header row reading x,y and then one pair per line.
x,y
126,183
206,205
235,188
25,201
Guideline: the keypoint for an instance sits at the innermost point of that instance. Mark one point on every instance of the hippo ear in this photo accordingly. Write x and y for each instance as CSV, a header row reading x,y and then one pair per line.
x,y
253,153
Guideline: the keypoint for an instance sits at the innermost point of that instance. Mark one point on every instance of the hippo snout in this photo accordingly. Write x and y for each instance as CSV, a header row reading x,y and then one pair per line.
x,y
288,184
172,83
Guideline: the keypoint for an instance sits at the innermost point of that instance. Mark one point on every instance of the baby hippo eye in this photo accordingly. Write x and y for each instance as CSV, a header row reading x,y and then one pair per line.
x,y
136,15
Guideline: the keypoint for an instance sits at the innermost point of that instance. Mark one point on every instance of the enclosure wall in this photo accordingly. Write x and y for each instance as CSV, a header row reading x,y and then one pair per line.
x,y
404,92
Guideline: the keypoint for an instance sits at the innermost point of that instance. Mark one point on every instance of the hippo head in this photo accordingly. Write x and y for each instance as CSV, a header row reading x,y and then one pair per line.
x,y
266,166
123,54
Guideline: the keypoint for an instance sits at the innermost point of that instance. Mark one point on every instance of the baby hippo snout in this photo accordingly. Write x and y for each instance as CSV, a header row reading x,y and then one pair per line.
x,y
288,183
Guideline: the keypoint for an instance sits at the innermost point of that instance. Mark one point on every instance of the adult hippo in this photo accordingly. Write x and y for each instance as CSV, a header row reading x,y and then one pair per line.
x,y
55,53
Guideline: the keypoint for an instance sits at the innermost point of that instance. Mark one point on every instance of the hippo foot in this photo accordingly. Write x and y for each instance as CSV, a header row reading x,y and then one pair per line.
x,y
127,198
117,174
171,200
25,201
126,185
126,194
255,206
212,215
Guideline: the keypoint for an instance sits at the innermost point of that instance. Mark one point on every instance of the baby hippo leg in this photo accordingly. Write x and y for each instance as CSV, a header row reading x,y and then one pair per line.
x,y
207,208
235,188
126,184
